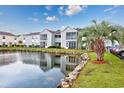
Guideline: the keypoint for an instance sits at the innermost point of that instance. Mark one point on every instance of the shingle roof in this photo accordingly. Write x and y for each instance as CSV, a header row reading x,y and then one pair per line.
x,y
78,29
34,33
50,30
53,31
57,32
6,33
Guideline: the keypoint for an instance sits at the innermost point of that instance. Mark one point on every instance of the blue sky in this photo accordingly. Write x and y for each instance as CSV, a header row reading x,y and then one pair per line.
x,y
32,18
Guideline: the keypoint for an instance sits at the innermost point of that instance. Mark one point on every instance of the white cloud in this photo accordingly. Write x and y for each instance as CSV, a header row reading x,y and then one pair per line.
x,y
111,8
34,19
61,10
74,9
48,7
61,7
51,18
45,14
63,27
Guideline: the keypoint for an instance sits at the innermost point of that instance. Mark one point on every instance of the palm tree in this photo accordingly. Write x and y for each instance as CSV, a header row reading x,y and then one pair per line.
x,y
95,35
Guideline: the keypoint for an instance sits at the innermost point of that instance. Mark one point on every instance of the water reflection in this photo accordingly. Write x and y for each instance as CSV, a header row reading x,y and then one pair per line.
x,y
31,69
48,61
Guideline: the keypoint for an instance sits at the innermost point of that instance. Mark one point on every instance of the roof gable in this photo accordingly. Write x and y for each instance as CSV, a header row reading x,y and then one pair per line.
x,y
6,33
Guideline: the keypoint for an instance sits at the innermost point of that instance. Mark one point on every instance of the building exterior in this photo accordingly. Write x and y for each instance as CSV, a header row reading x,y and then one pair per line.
x,y
66,38
31,39
6,38
69,38
46,38
57,38
19,40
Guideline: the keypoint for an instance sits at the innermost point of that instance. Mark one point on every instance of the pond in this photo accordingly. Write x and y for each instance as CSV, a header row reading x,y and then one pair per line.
x,y
34,69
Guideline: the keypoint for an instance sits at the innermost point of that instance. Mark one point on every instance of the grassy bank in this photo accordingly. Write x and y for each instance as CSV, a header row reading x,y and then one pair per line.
x,y
109,75
47,50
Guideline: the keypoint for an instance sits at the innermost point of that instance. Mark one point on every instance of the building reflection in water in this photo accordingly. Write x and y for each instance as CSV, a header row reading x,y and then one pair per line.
x,y
7,58
44,60
48,61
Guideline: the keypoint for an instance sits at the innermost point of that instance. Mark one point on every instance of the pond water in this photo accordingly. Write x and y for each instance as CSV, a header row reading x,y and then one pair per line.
x,y
34,69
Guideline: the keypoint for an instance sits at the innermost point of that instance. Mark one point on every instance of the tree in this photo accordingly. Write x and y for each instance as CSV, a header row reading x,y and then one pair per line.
x,y
95,36
121,33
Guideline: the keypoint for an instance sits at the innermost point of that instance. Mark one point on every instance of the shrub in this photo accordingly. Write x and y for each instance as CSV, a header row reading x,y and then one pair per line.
x,y
13,45
83,47
4,45
37,46
30,46
54,47
22,45
17,45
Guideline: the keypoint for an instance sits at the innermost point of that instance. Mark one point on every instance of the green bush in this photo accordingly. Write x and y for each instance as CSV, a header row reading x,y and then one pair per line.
x,y
83,47
19,45
13,45
4,45
54,47
30,46
22,46
37,46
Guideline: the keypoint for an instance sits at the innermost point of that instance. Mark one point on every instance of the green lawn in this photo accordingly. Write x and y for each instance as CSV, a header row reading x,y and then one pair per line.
x,y
109,75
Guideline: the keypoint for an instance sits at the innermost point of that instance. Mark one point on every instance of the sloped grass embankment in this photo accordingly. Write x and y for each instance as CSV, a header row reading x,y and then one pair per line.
x,y
109,75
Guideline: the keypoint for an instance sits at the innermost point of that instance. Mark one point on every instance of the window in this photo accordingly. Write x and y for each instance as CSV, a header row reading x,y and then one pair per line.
x,y
71,35
4,37
15,38
43,37
20,42
72,44
45,43
57,44
57,36
66,44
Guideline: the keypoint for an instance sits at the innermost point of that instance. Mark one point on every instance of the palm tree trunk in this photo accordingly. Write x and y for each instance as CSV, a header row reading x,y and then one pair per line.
x,y
99,49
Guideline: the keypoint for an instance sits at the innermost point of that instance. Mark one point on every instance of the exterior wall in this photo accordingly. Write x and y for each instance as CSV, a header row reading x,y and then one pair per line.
x,y
28,40
36,40
63,37
0,39
49,40
32,39
9,40
20,38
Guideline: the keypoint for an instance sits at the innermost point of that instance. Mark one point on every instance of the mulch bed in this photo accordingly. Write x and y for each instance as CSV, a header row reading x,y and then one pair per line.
x,y
99,62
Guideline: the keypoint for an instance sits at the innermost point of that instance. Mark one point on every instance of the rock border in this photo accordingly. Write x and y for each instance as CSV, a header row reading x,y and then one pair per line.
x,y
68,80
